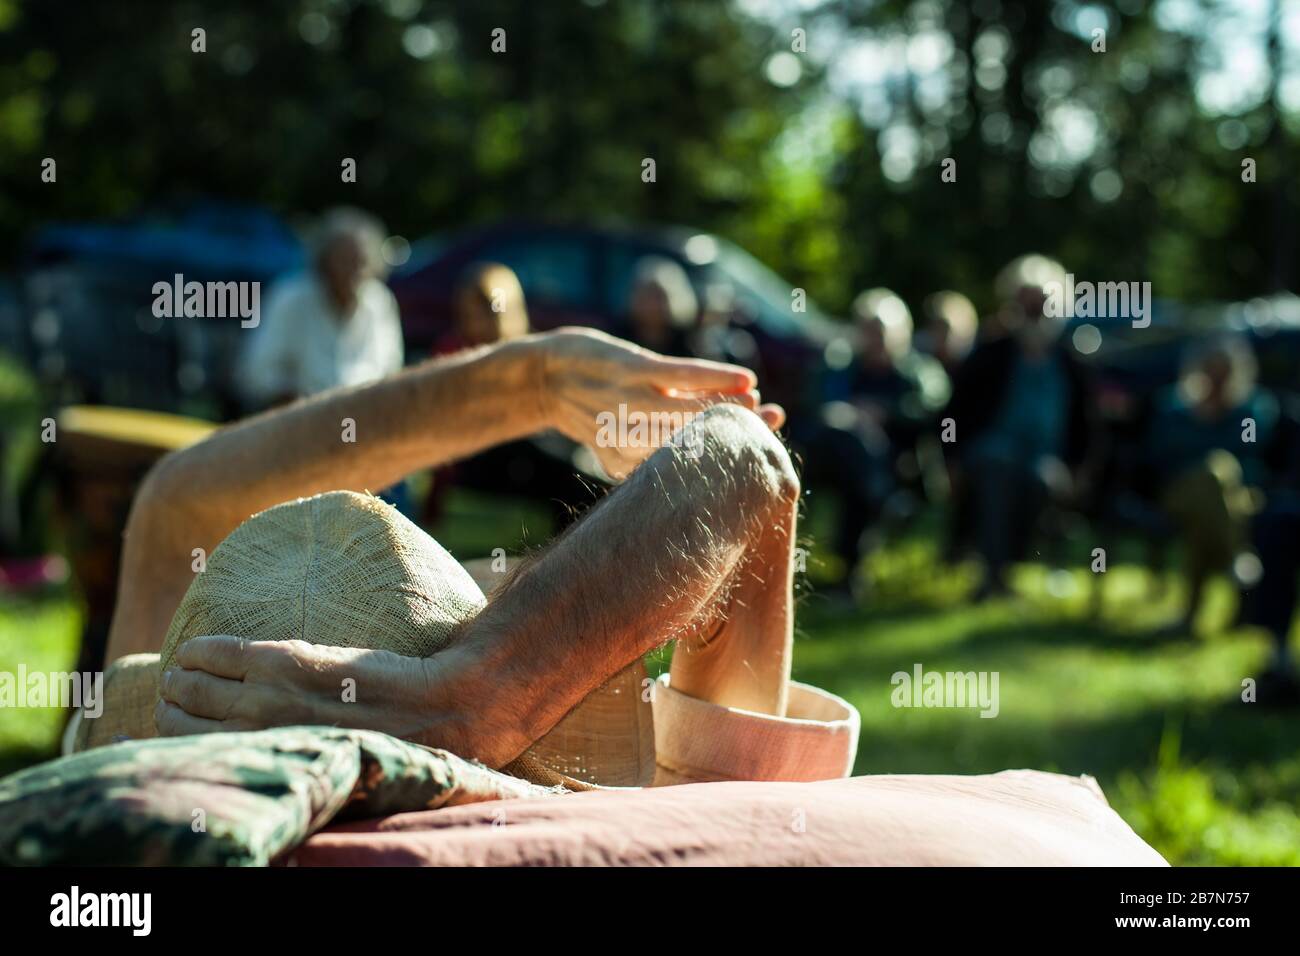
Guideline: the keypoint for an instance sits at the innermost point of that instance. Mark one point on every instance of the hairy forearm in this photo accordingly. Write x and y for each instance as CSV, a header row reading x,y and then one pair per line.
x,y
652,562
428,415
359,438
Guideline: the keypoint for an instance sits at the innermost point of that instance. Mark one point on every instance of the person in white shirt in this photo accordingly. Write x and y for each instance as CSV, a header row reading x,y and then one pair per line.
x,y
336,324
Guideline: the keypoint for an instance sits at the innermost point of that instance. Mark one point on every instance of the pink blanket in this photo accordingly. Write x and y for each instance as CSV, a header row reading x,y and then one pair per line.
x,y
1014,818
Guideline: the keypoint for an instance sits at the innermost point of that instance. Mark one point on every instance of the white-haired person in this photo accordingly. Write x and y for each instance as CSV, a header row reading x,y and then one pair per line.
x,y
1207,444
1025,424
948,327
334,324
873,411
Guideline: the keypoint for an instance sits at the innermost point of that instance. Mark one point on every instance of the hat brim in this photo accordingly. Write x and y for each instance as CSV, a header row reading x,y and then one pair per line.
x,y
606,741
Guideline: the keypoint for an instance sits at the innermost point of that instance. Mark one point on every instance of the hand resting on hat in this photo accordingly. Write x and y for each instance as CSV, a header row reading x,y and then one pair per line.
x,y
428,415
586,373
696,548
695,545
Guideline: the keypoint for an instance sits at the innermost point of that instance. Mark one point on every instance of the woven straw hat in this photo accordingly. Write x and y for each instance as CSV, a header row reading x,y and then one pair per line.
x,y
342,569
130,692
348,570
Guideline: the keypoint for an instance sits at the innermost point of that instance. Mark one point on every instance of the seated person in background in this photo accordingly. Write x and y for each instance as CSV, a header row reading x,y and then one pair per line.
x,y
1210,461
696,545
872,412
336,324
490,309
1277,596
663,309
721,334
1025,422
948,328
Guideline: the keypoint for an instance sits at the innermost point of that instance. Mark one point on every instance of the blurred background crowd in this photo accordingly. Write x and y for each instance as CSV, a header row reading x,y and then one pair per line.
x,y
1106,512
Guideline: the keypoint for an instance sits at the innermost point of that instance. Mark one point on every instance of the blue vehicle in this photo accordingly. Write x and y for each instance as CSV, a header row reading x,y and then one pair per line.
x,y
85,296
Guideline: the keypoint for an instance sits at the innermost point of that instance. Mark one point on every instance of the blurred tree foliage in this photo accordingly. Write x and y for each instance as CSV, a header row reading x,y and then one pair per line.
x,y
446,132
1159,193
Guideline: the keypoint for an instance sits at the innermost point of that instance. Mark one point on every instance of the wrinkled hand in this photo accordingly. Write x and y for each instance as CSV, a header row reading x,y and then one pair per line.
x,y
586,375
224,683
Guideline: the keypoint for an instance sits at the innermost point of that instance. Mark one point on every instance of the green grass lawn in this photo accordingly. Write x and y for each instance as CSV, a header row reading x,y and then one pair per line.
x,y
41,633
1205,778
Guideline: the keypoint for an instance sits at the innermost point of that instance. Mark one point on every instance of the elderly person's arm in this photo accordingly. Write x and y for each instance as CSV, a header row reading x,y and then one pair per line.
x,y
369,437
697,545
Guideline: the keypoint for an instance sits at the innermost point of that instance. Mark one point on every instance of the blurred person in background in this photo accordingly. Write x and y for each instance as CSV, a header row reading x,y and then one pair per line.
x,y
1026,424
1277,595
663,309
335,324
1207,443
872,412
1273,602
948,326
489,308
720,334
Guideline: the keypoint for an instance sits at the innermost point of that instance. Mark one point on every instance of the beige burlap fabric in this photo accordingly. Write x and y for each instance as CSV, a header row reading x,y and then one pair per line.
x,y
347,570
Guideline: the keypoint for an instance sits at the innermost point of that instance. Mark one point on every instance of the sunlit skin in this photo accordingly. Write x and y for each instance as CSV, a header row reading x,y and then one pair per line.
x,y
703,543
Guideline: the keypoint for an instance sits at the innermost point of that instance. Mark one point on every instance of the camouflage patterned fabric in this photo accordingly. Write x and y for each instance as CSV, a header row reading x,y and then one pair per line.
x,y
225,799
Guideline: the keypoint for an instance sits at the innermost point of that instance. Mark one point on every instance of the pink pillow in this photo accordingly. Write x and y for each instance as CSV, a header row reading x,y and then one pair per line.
x,y
1013,818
